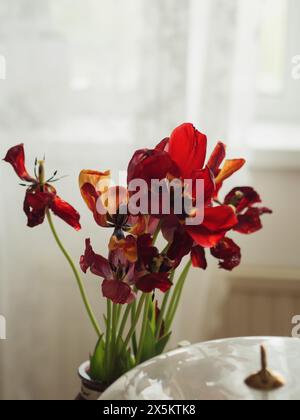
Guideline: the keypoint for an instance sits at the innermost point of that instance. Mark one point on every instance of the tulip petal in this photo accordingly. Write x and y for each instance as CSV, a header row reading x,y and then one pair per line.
x,y
198,257
127,245
187,148
250,222
180,247
163,145
66,212
153,281
146,251
229,168
205,175
91,198
217,221
35,205
229,254
217,157
99,180
97,264
205,237
118,292
150,165
16,157
92,184
219,218
242,197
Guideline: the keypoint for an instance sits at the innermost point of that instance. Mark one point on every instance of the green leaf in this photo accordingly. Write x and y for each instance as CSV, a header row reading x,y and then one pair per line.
x,y
162,342
97,362
149,347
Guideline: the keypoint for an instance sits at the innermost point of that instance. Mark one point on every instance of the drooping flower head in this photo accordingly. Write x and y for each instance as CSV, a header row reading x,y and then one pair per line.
x,y
109,204
40,194
132,263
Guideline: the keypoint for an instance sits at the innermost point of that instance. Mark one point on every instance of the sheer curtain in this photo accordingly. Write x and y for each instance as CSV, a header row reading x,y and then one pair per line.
x,y
88,82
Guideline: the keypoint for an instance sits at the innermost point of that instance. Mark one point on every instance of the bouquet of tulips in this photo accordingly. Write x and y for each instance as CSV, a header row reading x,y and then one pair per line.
x,y
172,191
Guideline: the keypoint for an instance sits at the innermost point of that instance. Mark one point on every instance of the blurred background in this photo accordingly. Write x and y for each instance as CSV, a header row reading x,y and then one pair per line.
x,y
89,81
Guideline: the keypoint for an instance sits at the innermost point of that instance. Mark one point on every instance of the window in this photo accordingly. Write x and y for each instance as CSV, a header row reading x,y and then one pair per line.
x,y
272,46
266,98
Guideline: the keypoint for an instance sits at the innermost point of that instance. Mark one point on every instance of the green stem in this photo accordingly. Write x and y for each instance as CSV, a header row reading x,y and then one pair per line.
x,y
176,297
134,341
135,321
108,337
114,324
163,308
144,328
77,277
124,321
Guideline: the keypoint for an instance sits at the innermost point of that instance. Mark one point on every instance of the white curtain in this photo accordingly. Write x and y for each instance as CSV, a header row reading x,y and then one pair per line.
x,y
87,82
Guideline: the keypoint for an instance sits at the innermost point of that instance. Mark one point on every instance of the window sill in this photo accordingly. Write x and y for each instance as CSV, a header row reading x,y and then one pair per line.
x,y
275,146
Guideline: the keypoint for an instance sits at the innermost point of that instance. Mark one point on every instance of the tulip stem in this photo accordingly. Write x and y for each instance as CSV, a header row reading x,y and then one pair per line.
x,y
135,320
144,328
176,297
163,308
77,277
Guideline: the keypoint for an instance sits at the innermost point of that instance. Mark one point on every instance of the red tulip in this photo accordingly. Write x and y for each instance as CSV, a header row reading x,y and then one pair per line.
x,y
244,200
40,195
131,262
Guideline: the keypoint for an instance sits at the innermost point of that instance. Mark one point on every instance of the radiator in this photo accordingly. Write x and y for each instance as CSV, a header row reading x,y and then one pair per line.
x,y
261,301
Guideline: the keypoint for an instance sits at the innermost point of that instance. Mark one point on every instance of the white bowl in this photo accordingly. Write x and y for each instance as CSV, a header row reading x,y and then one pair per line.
x,y
213,370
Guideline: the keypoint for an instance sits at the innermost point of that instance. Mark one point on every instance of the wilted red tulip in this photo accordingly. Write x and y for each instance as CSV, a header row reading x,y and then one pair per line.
x,y
40,194
109,204
244,199
130,263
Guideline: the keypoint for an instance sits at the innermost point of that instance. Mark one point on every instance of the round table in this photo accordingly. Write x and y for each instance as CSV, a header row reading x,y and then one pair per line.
x,y
214,370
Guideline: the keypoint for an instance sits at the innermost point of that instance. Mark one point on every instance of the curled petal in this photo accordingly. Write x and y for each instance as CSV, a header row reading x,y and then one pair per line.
x,y
35,205
92,184
217,157
163,145
180,247
128,245
187,148
217,221
118,292
229,168
242,197
139,224
99,180
113,199
153,281
151,165
205,237
250,221
97,264
90,195
66,212
206,176
229,254
91,198
16,157
219,218
146,251
198,257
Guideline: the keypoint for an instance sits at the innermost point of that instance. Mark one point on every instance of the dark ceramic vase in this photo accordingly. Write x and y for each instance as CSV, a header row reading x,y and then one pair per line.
x,y
90,390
